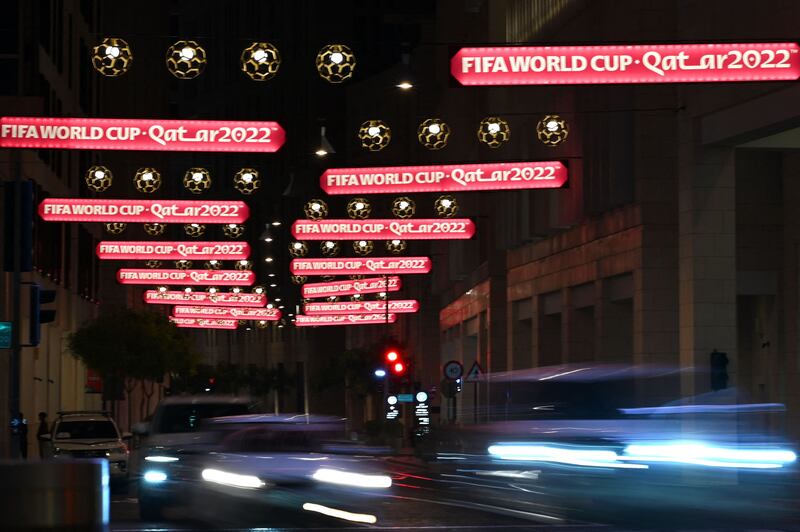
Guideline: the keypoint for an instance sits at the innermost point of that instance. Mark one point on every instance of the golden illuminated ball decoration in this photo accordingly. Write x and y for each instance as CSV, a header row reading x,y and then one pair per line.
x,y
147,180
381,296
333,299
262,324
112,57
359,208
494,131
183,264
213,265
363,247
299,279
396,246
446,206
99,178
336,63
152,263
155,228
357,277
327,278
194,230
247,181
115,228
186,59
329,248
552,130
433,133
374,135
356,297
298,249
244,264
197,180
404,207
259,289
260,61
316,209
233,230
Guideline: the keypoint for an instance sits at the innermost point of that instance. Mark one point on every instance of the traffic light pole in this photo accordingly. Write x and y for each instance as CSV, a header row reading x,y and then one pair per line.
x,y
16,309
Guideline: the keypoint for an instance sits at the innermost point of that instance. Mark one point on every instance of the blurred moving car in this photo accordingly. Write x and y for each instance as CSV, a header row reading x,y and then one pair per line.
x,y
90,434
618,442
174,430
290,463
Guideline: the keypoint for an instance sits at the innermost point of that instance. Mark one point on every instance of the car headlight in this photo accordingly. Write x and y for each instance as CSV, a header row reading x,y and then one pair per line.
x,y
357,480
160,458
232,479
119,449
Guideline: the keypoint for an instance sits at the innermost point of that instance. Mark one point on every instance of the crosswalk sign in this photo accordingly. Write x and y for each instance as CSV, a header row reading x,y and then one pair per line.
x,y
474,373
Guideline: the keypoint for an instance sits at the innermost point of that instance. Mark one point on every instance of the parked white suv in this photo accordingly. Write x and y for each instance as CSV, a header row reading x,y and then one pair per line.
x,y
90,435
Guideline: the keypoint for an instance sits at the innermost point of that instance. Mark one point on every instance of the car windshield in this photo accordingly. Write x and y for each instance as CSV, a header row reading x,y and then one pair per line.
x,y
279,439
186,418
75,430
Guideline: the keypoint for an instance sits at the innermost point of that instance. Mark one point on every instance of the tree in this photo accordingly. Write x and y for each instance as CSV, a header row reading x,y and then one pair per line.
x,y
129,346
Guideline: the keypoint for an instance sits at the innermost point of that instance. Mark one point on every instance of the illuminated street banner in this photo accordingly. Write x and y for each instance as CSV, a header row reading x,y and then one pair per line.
x,y
220,299
191,323
348,288
361,307
645,63
266,314
144,134
417,229
122,250
444,178
349,319
186,277
134,211
357,266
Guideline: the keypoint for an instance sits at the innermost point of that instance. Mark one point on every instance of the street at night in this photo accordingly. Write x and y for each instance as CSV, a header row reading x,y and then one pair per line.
x,y
446,265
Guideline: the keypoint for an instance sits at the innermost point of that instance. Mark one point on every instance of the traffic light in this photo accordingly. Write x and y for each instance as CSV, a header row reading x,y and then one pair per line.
x,y
39,297
394,362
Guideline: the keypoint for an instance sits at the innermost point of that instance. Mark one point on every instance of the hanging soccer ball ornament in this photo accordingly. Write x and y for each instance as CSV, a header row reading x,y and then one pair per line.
x,y
233,230
98,178
247,181
155,228
262,324
374,135
446,206
552,130
359,208
115,228
197,180
494,131
404,207
357,277
299,279
329,248
433,134
183,264
363,247
194,230
147,180
260,61
316,209
186,59
243,265
298,249
336,63
396,247
112,57
153,263
328,278
213,265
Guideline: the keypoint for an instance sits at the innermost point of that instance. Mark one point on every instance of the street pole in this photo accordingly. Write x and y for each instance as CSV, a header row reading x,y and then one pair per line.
x,y
16,308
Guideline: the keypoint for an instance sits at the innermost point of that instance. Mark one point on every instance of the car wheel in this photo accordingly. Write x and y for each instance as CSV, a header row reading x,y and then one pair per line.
x,y
150,509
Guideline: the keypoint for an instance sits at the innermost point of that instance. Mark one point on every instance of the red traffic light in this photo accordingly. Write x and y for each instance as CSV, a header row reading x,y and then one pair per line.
x,y
392,356
399,368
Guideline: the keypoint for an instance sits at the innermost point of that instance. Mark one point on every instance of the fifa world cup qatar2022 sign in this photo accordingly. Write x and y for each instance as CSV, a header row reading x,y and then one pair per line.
x,y
361,266
373,285
206,312
466,177
220,299
186,277
634,63
142,211
132,250
420,229
140,134
192,323
302,320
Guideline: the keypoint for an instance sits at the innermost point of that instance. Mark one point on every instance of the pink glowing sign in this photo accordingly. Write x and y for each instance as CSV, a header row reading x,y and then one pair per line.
x,y
192,323
400,306
417,229
186,277
646,63
359,266
349,319
140,134
347,288
111,250
236,313
140,211
221,299
444,178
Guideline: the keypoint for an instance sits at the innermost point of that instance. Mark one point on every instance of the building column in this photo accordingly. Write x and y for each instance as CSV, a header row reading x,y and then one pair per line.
x,y
707,257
